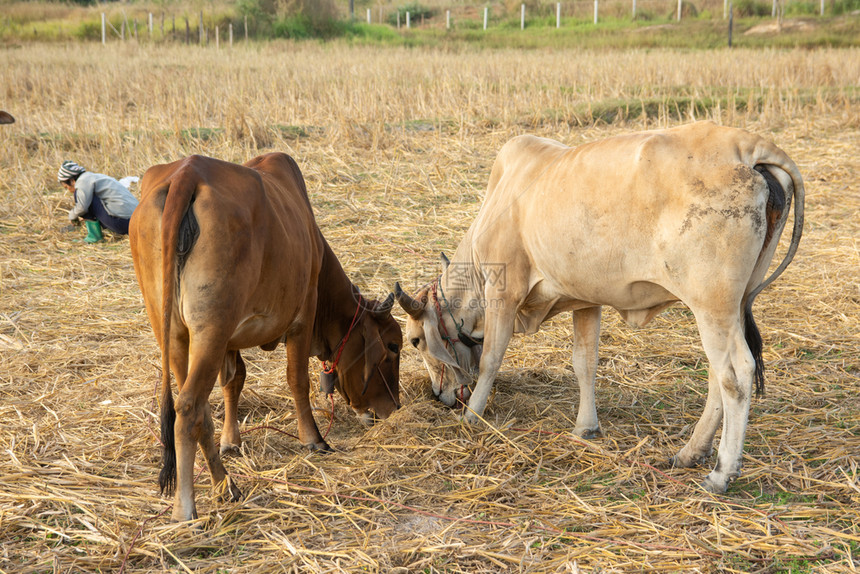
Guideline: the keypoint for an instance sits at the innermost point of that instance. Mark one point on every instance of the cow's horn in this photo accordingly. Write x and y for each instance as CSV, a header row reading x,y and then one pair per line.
x,y
383,309
412,307
445,261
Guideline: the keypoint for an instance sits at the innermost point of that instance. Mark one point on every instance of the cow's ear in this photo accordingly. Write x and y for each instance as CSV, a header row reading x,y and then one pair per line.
x,y
412,307
445,261
374,351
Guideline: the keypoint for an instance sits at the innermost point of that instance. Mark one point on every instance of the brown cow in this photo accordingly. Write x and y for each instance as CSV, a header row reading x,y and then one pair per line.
x,y
6,118
245,265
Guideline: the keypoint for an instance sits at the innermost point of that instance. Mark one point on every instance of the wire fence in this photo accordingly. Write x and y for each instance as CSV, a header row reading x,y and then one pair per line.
x,y
558,14
202,29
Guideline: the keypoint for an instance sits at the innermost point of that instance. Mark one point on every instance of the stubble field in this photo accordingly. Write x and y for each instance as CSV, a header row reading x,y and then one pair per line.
x,y
396,146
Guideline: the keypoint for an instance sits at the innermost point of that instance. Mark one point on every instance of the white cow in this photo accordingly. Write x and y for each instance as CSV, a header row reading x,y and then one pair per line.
x,y
636,222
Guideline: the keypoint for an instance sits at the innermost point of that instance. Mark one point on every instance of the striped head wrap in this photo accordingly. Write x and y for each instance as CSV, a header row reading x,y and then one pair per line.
x,y
68,170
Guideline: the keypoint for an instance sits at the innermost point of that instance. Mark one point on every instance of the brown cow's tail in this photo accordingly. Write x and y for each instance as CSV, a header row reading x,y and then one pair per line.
x,y
177,205
167,476
778,204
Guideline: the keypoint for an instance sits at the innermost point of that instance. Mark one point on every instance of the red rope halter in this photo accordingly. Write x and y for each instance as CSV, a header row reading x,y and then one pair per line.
x,y
331,369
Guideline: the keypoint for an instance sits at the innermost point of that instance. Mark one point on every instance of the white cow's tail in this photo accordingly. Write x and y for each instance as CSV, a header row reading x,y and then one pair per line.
x,y
778,205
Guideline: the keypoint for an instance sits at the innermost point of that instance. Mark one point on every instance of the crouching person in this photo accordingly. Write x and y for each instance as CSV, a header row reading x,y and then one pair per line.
x,y
100,200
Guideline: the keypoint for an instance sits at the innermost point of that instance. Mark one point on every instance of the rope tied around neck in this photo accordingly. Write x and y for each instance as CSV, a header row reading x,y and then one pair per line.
x,y
449,341
331,369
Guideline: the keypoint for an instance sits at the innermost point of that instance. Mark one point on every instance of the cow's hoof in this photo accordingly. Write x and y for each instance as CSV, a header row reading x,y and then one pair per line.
x,y
468,417
231,450
677,462
322,447
180,514
713,486
588,434
228,491
681,461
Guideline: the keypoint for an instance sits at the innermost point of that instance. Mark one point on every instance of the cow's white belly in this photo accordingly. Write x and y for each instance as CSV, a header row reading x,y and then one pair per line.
x,y
638,301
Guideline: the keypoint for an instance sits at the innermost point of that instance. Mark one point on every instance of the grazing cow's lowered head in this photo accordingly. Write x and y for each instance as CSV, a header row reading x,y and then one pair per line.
x,y
443,329
6,118
368,370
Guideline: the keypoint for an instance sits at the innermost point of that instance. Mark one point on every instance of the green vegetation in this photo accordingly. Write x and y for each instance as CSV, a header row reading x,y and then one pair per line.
x,y
702,25
417,13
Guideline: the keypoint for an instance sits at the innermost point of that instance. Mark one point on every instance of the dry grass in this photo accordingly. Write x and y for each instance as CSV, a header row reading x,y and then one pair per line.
x,y
396,146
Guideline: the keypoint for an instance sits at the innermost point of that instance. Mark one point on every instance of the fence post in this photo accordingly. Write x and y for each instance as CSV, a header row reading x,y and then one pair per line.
x,y
231,34
150,25
634,9
368,15
162,26
398,18
104,38
486,9
217,38
822,8
558,15
773,10
731,17
447,19
725,9
408,25
187,31
680,3
522,16
246,27
595,11
200,29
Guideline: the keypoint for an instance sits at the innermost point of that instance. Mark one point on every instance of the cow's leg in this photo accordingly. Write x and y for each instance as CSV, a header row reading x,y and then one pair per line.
x,y
194,426
179,357
232,379
700,446
586,332
221,481
732,370
190,405
498,329
298,350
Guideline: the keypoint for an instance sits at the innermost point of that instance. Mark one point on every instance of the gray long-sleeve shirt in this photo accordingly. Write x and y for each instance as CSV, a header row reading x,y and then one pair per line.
x,y
117,200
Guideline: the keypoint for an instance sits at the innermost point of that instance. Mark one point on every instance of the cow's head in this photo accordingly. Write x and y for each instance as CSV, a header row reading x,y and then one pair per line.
x,y
368,373
451,354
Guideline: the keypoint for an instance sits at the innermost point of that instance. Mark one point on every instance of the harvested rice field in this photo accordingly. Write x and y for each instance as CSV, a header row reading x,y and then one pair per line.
x,y
396,146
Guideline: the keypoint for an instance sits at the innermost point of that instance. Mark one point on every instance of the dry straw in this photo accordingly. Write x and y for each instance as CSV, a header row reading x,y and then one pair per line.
x,y
396,146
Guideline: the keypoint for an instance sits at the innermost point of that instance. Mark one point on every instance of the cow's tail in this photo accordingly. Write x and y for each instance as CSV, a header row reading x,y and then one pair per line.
x,y
778,205
177,204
